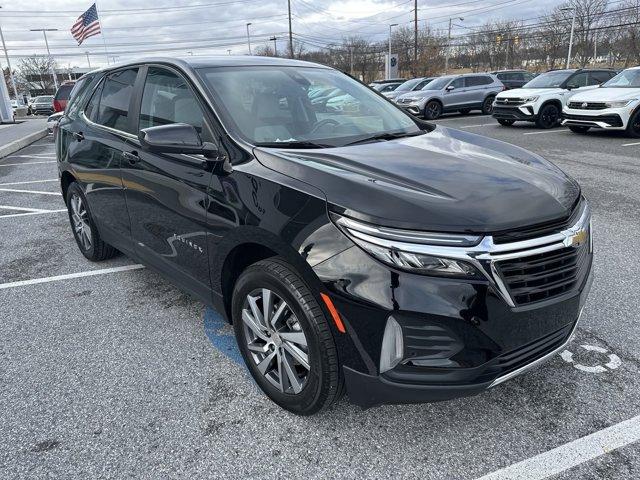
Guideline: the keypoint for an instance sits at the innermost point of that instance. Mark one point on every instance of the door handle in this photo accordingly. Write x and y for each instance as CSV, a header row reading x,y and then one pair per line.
x,y
132,157
78,136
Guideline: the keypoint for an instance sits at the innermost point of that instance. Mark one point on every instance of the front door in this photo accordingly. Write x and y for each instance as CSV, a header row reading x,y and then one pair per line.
x,y
454,97
167,193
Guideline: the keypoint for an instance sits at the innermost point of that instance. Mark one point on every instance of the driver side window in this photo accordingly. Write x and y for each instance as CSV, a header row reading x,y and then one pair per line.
x,y
578,80
168,99
457,83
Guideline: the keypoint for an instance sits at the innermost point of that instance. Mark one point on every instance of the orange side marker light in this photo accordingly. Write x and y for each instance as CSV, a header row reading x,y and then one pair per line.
x,y
334,313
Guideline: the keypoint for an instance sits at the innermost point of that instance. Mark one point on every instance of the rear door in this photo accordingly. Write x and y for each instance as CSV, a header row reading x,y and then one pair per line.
x,y
477,88
97,141
167,193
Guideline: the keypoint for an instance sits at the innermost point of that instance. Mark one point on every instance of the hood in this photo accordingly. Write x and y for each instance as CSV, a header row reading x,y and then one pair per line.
x,y
606,94
446,180
393,94
529,92
418,94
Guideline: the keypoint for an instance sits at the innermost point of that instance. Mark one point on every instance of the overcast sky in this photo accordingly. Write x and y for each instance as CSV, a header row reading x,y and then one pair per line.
x,y
216,26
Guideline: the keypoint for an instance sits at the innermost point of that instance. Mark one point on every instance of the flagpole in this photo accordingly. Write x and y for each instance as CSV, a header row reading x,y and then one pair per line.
x,y
104,40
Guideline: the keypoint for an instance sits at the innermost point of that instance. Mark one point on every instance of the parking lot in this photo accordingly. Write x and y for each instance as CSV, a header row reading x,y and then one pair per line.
x,y
107,370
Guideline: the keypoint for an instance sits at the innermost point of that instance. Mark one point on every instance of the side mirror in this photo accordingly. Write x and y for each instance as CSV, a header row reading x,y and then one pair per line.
x,y
572,86
176,138
449,88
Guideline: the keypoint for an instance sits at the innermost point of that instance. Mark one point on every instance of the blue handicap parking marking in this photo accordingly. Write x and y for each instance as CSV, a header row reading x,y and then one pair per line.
x,y
221,336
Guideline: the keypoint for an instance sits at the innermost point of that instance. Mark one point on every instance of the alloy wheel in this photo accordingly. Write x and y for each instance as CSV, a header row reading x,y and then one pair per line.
x,y
488,105
433,110
635,125
80,219
275,341
550,116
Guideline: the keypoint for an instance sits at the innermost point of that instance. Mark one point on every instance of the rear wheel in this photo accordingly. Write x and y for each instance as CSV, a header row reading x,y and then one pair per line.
x,y
633,129
487,105
578,129
285,338
432,110
549,117
84,228
506,123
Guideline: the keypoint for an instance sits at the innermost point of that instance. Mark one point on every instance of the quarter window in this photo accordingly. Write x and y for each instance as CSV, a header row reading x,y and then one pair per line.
x,y
113,109
168,99
91,110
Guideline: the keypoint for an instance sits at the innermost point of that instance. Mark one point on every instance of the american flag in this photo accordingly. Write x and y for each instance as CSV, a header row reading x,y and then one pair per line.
x,y
87,25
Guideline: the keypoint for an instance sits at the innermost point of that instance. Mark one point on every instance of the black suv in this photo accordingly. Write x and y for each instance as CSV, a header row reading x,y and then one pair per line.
x,y
350,244
513,78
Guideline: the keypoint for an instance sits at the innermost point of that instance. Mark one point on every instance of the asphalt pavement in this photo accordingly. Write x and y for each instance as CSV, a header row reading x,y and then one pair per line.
x,y
111,372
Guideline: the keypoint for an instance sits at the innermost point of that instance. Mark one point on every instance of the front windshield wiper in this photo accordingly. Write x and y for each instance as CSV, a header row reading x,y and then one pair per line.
x,y
386,136
293,144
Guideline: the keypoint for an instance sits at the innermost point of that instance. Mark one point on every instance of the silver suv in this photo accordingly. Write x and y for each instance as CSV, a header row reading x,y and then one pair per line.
x,y
462,93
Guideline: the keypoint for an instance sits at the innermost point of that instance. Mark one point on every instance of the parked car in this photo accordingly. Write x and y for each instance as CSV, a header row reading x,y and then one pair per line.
x,y
52,122
386,87
362,249
408,86
513,78
614,106
462,93
42,105
542,99
62,95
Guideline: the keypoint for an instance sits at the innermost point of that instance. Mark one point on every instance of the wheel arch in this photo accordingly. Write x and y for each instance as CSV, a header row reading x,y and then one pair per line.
x,y
554,101
66,179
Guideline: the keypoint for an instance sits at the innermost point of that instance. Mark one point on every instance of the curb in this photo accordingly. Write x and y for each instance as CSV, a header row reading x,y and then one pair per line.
x,y
16,145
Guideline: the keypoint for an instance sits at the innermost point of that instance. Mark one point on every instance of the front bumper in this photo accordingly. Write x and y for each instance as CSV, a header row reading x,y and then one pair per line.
x,y
609,119
523,112
413,109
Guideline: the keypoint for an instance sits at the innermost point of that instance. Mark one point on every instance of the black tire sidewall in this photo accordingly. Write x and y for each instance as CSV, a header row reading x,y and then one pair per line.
x,y
426,110
540,123
630,131
487,105
74,189
306,402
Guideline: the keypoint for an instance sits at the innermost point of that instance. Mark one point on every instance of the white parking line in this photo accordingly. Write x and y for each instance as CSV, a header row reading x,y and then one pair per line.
x,y
12,215
33,155
550,131
89,273
15,190
23,209
630,144
24,163
479,125
30,181
571,454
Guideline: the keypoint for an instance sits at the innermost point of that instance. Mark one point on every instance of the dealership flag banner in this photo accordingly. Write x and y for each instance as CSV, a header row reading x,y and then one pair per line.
x,y
87,25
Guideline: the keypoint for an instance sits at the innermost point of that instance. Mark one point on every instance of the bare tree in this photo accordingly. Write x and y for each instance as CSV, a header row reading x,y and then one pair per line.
x,y
38,71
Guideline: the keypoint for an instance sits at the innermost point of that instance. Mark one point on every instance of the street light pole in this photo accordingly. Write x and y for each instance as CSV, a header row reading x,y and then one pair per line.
x,y
249,38
389,57
6,55
88,61
573,26
274,39
46,42
447,51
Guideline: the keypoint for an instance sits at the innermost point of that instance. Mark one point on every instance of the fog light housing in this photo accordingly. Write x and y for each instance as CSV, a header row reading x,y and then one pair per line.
x,y
392,350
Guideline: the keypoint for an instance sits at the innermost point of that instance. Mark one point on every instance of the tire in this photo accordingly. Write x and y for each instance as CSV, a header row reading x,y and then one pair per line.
x,y
548,117
267,351
465,111
84,228
432,110
505,123
487,105
578,129
633,129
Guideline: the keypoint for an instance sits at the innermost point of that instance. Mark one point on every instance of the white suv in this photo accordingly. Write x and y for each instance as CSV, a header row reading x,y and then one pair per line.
x,y
615,106
542,99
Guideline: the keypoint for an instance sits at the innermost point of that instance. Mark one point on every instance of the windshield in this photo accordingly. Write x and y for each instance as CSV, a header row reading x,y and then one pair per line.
x,y
272,104
44,99
625,79
549,80
409,85
437,84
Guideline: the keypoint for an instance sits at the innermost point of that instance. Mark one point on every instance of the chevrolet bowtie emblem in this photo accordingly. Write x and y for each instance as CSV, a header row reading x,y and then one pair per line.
x,y
577,239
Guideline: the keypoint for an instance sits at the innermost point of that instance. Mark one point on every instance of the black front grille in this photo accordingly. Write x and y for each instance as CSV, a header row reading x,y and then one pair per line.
x,y
612,120
588,105
526,354
536,278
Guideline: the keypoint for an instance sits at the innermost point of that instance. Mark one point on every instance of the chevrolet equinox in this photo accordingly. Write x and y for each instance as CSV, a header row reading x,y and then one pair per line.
x,y
352,246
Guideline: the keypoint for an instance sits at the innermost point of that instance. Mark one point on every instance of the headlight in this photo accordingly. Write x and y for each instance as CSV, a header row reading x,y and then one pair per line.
x,y
620,103
411,250
530,99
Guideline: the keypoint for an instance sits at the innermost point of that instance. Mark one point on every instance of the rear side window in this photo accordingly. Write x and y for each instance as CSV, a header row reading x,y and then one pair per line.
x,y
113,109
596,78
479,80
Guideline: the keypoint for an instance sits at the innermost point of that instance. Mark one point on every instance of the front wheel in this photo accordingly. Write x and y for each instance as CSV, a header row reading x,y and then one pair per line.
x,y
84,228
487,105
549,117
285,338
633,129
578,129
432,110
506,123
